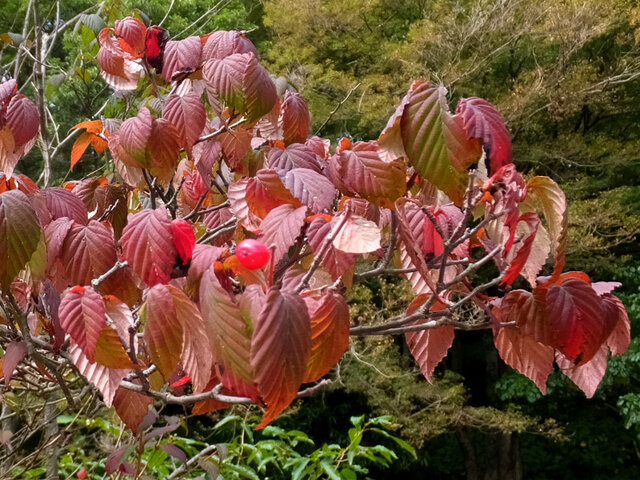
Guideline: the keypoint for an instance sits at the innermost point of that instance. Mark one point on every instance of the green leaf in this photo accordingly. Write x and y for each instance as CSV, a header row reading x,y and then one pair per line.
x,y
330,470
297,472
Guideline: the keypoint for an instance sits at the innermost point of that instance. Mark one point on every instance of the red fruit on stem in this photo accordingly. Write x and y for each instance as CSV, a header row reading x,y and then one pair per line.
x,y
82,473
252,254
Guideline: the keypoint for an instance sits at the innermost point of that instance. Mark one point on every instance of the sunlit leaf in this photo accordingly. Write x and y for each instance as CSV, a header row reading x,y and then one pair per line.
x,y
281,227
82,316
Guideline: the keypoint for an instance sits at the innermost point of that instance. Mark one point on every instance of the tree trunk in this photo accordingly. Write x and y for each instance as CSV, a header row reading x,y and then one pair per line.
x,y
493,456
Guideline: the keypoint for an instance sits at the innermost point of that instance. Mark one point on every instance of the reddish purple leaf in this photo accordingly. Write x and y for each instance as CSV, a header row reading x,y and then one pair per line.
x,y
129,144
575,311
82,316
183,55
357,235
528,311
229,335
620,337
312,189
132,34
481,120
222,43
20,235
296,155
14,353
188,115
23,119
281,227
295,118
174,451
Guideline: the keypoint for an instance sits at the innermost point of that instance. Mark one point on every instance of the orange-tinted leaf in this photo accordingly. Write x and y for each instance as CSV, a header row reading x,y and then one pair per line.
x,y
116,67
620,337
79,146
82,316
280,348
430,346
329,316
529,357
91,126
163,150
147,244
528,311
110,351
131,407
132,34
362,172
265,191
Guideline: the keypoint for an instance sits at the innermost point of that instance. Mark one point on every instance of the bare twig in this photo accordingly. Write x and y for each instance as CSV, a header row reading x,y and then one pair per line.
x,y
95,283
335,110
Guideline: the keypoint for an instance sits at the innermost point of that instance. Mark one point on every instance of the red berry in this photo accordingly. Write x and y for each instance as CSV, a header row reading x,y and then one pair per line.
x,y
252,254
82,473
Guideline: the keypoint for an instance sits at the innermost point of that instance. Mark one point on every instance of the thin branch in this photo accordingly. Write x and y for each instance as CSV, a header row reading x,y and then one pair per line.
x,y
217,132
335,110
228,226
95,283
185,466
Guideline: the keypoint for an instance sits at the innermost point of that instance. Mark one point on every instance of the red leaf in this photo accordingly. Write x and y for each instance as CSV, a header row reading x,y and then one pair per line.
x,y
575,311
312,189
181,55
229,335
183,238
295,156
528,311
430,346
163,150
116,67
147,244
235,145
281,227
131,407
20,235
188,115
295,118
280,348
481,120
362,172
23,119
132,33
14,353
155,42
522,255
82,316
435,141
587,376
222,43
106,380
529,357
238,206
329,333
